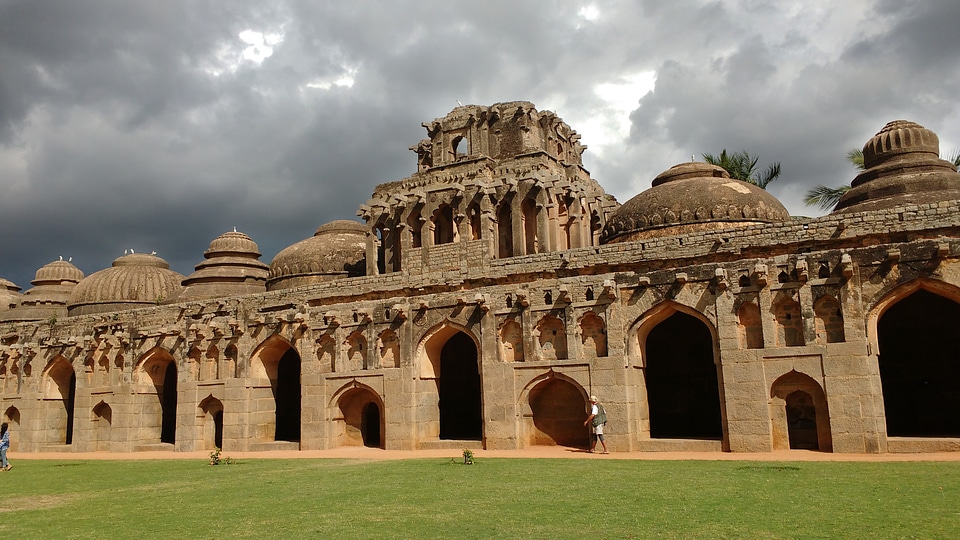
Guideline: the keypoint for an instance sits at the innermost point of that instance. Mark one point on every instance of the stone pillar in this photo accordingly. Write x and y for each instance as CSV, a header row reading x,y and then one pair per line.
x,y
543,228
372,253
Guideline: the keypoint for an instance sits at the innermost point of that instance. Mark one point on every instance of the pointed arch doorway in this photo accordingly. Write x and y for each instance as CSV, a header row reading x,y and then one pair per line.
x,y
459,388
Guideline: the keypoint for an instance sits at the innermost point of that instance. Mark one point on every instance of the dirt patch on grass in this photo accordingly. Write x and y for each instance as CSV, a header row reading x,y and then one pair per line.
x,y
36,502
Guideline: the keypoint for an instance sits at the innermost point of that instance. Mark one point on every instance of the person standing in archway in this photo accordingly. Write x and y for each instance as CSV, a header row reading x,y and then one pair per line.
x,y
4,446
597,419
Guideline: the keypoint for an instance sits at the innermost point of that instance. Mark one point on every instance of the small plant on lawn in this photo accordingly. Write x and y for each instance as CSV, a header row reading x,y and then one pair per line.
x,y
215,458
467,456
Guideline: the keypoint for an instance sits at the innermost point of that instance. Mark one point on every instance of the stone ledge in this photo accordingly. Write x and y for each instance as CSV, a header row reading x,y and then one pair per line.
x,y
916,445
679,445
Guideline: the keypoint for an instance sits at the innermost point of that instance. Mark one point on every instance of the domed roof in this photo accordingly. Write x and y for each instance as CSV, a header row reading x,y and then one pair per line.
x,y
337,249
902,165
231,267
132,281
58,271
52,287
9,294
692,197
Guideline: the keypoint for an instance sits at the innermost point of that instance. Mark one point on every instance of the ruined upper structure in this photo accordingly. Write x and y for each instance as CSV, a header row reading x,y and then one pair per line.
x,y
902,165
497,181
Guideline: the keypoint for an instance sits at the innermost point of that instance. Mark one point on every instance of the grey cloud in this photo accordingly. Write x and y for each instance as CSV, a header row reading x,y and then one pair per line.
x,y
117,135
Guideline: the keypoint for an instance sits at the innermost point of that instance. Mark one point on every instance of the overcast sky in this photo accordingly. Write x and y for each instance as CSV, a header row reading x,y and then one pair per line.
x,y
159,125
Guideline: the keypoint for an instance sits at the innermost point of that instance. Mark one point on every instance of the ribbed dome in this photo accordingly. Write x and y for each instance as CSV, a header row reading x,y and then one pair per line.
x,y
692,197
58,271
232,267
133,281
337,249
902,165
52,287
232,242
9,294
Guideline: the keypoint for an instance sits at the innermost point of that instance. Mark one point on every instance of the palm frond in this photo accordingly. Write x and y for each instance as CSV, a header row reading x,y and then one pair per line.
x,y
825,198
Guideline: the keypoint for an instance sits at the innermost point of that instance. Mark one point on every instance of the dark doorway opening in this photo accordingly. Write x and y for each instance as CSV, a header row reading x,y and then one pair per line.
x,y
218,429
459,387
802,421
683,394
287,397
919,367
370,425
68,403
168,404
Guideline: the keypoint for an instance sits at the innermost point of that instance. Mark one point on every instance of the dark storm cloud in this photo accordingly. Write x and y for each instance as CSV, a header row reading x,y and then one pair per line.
x,y
142,125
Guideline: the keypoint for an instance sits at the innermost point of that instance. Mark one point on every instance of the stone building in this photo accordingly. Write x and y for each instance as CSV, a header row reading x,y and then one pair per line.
x,y
484,297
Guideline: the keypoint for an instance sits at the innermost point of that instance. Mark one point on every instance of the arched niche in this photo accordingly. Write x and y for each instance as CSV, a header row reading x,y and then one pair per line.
x,y
358,415
210,418
798,414
554,407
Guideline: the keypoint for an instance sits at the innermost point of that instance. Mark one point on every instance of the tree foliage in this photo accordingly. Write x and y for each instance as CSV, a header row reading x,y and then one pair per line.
x,y
742,166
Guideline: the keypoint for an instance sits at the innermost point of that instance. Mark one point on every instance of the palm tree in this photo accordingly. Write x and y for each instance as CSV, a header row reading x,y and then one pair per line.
x,y
826,198
742,166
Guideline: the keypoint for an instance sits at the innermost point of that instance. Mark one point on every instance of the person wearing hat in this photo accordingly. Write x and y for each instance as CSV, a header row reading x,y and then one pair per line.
x,y
597,419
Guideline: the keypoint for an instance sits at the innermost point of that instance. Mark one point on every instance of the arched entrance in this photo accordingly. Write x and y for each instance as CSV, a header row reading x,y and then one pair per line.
x,y
919,370
683,395
559,410
459,388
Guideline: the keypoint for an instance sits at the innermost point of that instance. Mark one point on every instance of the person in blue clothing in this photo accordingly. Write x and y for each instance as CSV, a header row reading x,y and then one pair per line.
x,y
4,446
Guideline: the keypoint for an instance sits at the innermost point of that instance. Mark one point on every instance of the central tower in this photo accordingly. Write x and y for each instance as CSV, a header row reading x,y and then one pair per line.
x,y
491,182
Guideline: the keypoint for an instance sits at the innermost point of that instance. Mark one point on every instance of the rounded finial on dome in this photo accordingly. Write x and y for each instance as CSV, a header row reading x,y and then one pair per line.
x,y
902,166
693,169
341,226
230,267
140,259
899,137
232,242
58,271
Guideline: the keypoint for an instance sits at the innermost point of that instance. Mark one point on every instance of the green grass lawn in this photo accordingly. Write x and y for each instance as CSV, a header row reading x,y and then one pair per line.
x,y
506,498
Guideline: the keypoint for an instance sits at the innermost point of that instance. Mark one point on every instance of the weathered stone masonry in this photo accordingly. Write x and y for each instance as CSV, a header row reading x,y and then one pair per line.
x,y
487,295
